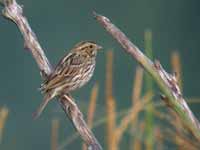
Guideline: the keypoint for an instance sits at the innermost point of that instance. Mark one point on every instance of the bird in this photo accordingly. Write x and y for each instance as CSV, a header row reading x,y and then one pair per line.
x,y
73,71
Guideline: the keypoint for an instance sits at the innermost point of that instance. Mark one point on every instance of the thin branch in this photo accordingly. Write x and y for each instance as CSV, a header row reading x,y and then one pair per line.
x,y
70,107
14,12
166,82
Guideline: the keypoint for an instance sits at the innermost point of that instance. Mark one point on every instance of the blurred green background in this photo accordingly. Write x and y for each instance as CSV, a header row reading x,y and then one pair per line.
x,y
61,24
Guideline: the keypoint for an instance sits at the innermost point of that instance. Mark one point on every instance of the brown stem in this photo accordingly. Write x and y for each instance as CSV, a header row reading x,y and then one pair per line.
x,y
71,109
14,12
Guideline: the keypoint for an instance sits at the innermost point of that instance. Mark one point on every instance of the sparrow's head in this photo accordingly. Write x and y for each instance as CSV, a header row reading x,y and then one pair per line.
x,y
88,47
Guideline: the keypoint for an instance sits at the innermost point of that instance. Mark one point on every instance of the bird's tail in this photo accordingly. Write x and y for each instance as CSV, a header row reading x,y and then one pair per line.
x,y
42,106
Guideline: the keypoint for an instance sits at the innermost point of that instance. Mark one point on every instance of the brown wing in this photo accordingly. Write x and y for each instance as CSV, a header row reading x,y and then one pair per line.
x,y
66,69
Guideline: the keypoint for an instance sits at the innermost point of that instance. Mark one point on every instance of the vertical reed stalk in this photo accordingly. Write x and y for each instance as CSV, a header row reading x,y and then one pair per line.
x,y
137,87
54,134
91,109
149,87
137,144
159,138
131,116
176,67
110,104
3,117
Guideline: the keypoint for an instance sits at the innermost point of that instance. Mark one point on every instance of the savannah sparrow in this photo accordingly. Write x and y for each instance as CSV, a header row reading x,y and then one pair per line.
x,y
73,71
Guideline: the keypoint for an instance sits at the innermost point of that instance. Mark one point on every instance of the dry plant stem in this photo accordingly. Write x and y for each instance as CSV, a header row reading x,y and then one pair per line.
x,y
166,82
137,143
177,132
149,138
110,104
3,117
14,12
54,134
185,143
137,85
159,138
76,116
92,105
133,114
109,73
92,108
176,67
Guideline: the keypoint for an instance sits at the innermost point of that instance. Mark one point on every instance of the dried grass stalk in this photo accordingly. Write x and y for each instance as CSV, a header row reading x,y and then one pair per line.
x,y
91,109
137,144
54,133
137,84
110,104
137,88
92,105
159,138
176,67
131,116
3,117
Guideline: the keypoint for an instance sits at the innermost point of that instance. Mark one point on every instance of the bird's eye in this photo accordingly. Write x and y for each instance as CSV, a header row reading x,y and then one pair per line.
x,y
91,46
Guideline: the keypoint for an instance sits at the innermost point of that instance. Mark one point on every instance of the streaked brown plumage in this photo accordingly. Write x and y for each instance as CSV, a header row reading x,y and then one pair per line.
x,y
73,71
